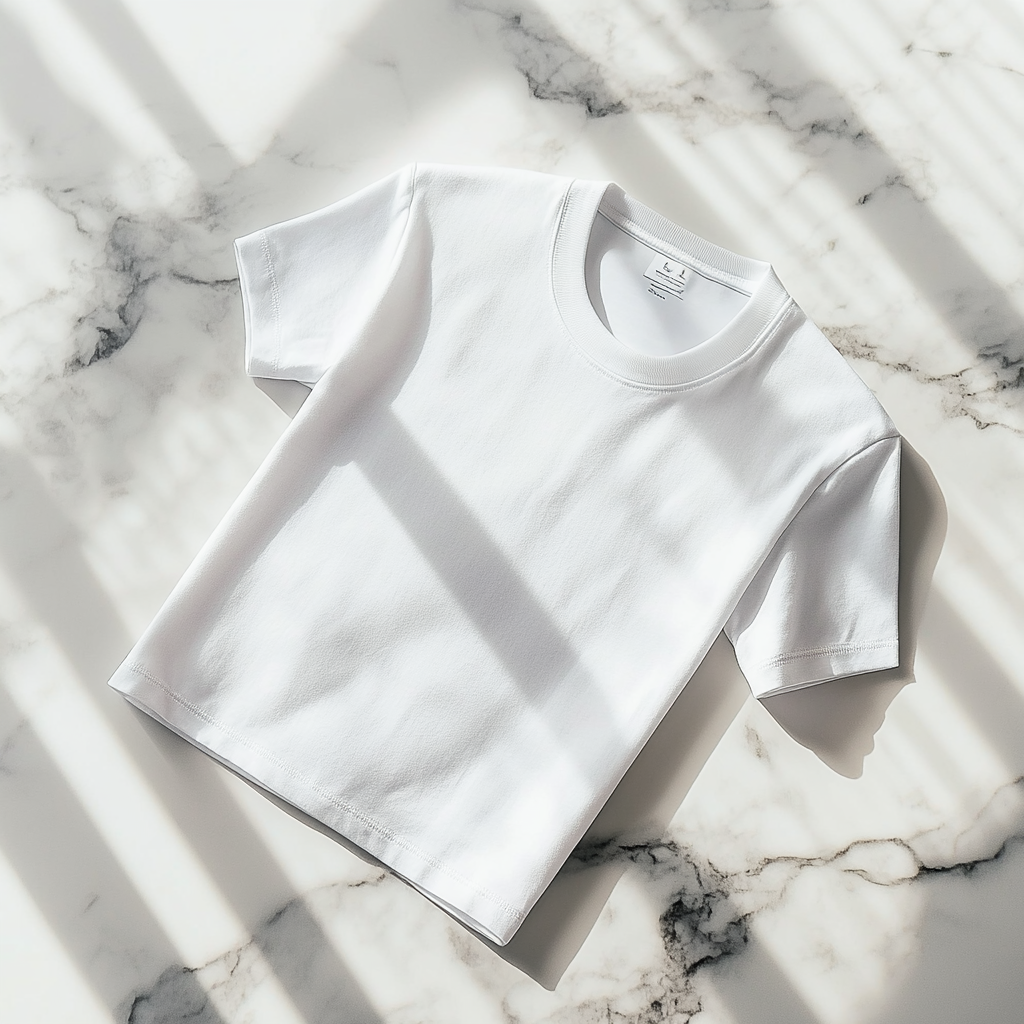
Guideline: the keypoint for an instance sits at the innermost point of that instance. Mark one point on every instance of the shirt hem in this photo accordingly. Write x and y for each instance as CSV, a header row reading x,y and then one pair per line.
x,y
481,910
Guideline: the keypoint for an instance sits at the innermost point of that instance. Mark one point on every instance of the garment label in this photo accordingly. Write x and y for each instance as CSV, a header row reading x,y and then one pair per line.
x,y
668,276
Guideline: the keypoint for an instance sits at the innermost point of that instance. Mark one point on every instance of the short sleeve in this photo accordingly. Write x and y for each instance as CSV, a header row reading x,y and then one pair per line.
x,y
824,603
307,283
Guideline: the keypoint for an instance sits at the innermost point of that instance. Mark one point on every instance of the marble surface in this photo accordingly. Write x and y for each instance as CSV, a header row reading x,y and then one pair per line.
x,y
850,855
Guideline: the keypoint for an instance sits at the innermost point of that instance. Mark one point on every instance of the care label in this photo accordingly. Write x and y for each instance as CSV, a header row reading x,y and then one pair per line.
x,y
668,275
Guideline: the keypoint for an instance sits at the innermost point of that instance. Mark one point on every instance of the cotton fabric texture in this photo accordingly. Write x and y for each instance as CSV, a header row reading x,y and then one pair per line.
x,y
555,444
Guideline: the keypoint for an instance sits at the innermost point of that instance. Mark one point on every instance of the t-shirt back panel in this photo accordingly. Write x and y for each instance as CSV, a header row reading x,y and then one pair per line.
x,y
476,570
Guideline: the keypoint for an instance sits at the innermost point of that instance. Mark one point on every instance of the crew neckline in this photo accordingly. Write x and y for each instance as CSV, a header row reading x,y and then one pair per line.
x,y
585,200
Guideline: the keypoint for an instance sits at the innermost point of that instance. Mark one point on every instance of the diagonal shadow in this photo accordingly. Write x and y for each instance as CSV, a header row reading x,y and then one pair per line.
x,y
39,552
652,789
37,545
822,123
75,881
756,991
41,111
969,941
407,39
351,406
979,684
558,72
492,594
128,49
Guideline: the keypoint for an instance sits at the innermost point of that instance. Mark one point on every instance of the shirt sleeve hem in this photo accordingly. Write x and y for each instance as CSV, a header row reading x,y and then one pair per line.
x,y
260,305
808,668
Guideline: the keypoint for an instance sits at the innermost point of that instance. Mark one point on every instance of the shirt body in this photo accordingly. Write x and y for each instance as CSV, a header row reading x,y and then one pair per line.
x,y
498,538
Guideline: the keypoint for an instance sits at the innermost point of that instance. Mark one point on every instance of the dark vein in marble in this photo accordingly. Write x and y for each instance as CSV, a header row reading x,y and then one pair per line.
x,y
911,48
10,743
706,919
176,997
135,251
922,868
893,181
112,334
218,282
231,977
999,372
553,68
947,54
703,922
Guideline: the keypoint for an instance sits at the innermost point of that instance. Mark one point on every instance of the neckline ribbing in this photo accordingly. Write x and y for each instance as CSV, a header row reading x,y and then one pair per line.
x,y
584,200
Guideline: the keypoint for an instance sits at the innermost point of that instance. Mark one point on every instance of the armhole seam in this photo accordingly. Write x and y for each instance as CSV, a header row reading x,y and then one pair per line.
x,y
796,511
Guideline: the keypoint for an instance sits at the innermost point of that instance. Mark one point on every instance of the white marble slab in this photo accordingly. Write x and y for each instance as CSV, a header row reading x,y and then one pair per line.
x,y
850,855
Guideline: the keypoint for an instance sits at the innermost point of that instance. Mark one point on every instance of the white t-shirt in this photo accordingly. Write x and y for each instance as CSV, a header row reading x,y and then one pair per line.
x,y
555,444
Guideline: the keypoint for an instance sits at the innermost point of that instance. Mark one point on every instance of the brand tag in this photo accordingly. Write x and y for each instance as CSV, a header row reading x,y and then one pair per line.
x,y
669,275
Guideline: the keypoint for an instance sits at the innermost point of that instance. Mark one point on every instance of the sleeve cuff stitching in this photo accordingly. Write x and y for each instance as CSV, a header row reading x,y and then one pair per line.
x,y
275,295
869,645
